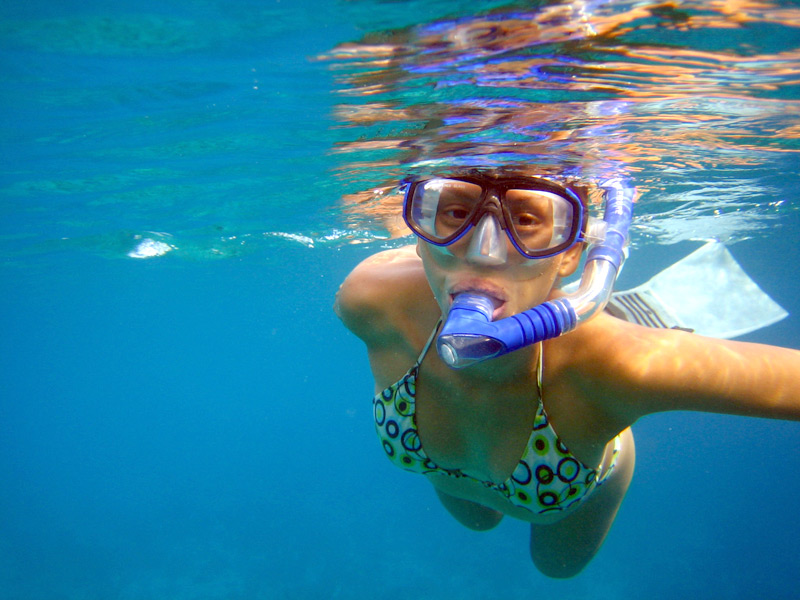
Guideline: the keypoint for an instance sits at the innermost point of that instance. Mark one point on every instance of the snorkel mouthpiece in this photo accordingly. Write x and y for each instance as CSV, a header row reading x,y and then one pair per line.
x,y
469,335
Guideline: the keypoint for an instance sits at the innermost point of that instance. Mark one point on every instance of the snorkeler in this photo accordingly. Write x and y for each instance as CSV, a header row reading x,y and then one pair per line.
x,y
540,433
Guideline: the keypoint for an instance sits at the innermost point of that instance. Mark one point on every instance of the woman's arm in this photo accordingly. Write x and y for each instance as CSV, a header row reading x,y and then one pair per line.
x,y
377,291
659,370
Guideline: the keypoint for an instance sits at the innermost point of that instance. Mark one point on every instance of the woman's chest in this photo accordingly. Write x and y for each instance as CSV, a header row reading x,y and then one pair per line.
x,y
481,432
485,431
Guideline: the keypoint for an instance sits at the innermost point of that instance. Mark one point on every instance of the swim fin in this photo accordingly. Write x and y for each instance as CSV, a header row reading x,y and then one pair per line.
x,y
706,292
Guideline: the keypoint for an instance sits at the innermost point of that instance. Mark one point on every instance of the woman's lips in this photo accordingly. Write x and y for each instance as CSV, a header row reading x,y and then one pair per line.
x,y
496,295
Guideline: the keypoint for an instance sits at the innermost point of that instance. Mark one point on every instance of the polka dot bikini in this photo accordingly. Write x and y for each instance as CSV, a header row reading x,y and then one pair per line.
x,y
547,477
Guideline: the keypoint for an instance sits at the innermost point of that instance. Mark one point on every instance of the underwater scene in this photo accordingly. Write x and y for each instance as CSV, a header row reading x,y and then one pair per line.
x,y
185,185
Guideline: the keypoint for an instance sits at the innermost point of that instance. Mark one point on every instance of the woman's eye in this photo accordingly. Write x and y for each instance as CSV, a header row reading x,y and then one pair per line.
x,y
455,213
527,220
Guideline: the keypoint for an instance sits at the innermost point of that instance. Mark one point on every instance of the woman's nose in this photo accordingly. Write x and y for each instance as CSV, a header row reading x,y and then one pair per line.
x,y
487,246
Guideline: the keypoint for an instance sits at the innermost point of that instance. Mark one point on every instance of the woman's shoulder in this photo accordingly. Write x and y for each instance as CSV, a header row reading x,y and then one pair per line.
x,y
382,293
608,362
631,371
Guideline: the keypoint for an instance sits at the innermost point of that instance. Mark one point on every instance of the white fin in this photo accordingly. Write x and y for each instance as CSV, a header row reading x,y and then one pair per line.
x,y
707,292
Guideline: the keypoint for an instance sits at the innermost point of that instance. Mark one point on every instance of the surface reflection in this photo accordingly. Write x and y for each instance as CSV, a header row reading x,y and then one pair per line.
x,y
697,102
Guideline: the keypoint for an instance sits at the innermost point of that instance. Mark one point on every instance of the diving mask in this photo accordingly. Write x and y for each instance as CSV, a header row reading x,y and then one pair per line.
x,y
541,218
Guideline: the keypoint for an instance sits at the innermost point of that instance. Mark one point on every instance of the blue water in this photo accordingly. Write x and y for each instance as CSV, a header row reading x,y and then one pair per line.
x,y
197,425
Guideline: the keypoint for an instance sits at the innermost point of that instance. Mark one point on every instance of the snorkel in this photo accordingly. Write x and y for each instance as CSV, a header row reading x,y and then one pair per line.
x,y
469,335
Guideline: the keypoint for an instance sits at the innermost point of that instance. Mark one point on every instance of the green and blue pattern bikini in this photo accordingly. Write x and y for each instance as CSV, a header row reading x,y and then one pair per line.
x,y
547,477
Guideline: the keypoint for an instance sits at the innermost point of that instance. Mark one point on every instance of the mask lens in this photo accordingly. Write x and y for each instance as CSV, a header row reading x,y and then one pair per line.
x,y
441,208
540,220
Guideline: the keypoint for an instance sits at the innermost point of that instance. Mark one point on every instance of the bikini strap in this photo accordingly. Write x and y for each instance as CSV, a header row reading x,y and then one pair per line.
x,y
540,372
429,342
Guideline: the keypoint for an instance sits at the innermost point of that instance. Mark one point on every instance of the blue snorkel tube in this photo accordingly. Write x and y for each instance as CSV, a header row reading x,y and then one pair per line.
x,y
469,335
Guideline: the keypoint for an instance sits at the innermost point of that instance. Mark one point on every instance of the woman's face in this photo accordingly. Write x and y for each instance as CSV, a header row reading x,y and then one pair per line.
x,y
514,286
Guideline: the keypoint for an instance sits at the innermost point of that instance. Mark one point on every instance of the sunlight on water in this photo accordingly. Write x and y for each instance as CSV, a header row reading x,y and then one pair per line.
x,y
697,102
230,129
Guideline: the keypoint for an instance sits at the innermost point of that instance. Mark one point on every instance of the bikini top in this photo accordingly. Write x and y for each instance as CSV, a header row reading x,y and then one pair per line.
x,y
547,478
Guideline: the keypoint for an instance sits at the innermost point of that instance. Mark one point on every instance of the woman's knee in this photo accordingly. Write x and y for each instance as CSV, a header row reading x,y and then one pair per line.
x,y
563,549
560,567
470,514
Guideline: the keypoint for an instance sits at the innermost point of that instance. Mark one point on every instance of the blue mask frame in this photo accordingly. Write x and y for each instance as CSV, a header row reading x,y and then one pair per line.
x,y
493,190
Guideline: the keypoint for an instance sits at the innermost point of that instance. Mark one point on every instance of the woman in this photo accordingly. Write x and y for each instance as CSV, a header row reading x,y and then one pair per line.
x,y
485,436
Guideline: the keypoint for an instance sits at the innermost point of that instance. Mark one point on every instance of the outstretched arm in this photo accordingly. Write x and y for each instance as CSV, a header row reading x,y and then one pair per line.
x,y
674,370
